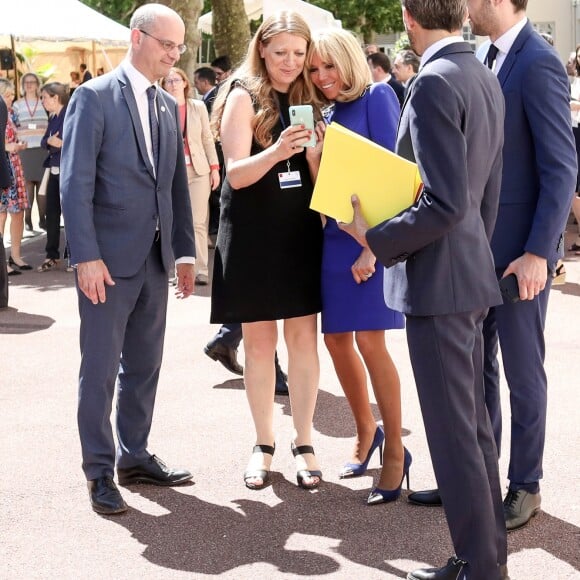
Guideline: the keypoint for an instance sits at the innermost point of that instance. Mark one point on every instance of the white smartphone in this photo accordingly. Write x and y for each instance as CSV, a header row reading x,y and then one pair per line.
x,y
303,115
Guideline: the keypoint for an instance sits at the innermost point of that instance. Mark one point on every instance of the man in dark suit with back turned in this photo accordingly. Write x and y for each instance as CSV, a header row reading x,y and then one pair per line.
x,y
127,213
440,273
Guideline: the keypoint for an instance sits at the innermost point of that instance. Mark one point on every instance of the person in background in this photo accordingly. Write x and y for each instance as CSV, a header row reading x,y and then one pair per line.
x,y
128,220
204,81
266,220
380,66
353,306
575,111
54,99
370,49
100,71
75,81
5,182
222,67
13,200
33,120
406,67
203,170
85,73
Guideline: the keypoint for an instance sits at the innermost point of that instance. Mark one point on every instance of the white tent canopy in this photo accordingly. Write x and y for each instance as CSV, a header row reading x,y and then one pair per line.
x,y
62,20
316,17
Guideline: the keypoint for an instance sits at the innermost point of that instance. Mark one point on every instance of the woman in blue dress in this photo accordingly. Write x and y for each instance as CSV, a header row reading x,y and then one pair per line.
x,y
353,308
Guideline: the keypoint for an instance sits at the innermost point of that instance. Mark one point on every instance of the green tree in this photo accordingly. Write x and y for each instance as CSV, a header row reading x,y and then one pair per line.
x,y
189,10
119,10
367,18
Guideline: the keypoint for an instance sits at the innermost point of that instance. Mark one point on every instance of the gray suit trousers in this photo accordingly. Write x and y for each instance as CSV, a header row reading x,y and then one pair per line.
x,y
447,358
121,343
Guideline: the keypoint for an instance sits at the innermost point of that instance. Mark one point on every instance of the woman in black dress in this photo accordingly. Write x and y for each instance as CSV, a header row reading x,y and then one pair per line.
x,y
268,254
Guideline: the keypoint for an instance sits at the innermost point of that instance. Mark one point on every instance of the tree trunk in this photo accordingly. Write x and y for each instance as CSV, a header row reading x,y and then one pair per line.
x,y
189,10
231,29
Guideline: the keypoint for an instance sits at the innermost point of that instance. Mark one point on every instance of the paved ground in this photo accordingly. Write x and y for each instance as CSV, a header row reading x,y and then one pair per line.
x,y
217,527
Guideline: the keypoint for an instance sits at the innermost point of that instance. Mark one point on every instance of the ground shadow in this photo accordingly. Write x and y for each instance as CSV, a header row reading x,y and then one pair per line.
x,y
200,537
205,538
14,322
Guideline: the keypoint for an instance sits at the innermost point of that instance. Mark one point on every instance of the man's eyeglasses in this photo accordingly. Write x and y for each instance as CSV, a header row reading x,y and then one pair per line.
x,y
167,45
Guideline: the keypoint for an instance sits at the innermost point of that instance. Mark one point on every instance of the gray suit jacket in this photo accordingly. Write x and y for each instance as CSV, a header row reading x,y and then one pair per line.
x,y
437,252
111,200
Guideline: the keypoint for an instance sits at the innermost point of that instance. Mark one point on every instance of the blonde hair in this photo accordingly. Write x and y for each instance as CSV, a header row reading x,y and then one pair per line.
x,y
341,49
253,76
180,72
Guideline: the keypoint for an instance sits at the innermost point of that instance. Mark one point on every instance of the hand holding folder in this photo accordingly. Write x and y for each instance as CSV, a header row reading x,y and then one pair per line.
x,y
385,183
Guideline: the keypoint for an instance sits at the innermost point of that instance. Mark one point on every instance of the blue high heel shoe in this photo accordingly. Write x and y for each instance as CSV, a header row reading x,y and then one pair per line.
x,y
378,495
357,469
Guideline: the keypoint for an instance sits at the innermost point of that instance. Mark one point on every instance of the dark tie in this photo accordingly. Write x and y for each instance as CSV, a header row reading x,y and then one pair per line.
x,y
153,125
491,55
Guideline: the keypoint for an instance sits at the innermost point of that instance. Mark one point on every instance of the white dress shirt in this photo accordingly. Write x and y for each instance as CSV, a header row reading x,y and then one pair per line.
x,y
503,43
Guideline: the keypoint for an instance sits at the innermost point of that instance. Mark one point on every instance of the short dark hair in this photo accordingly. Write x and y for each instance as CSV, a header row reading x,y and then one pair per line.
x,y
410,57
446,15
380,59
520,4
83,66
57,89
207,73
222,62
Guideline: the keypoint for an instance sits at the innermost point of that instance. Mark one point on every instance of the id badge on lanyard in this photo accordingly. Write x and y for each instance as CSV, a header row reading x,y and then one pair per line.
x,y
289,179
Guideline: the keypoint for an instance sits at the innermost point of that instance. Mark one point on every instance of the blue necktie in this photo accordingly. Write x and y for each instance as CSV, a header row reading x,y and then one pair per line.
x,y
153,125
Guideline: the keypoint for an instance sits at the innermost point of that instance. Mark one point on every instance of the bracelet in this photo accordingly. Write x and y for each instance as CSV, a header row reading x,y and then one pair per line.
x,y
212,167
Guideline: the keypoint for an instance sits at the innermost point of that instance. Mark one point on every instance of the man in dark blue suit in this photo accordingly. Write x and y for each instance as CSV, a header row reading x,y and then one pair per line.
x,y
538,182
440,273
127,212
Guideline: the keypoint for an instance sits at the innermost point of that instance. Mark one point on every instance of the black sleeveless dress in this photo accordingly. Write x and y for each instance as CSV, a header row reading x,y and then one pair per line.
x,y
269,246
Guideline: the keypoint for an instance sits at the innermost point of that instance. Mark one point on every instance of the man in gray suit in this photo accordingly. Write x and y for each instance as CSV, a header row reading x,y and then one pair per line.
x,y
127,215
440,273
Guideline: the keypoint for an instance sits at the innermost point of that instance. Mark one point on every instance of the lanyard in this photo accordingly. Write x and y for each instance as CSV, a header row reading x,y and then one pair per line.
x,y
33,112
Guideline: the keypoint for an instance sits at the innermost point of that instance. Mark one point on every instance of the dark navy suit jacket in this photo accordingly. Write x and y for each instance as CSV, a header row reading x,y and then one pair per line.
x,y
534,204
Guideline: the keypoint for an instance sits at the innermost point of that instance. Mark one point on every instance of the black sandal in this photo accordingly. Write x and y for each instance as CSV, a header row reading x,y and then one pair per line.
x,y
302,474
262,474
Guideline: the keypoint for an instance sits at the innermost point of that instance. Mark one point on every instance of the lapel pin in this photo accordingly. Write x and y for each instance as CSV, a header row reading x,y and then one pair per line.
x,y
162,109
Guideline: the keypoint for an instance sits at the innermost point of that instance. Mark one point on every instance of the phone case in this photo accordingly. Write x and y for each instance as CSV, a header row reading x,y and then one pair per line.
x,y
509,288
303,115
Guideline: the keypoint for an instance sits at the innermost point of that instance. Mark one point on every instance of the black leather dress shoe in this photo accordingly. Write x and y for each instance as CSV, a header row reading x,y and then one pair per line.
x,y
153,471
105,496
519,507
429,497
453,571
226,355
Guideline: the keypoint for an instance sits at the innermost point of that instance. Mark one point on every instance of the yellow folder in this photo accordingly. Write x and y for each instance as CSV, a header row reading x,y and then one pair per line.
x,y
384,182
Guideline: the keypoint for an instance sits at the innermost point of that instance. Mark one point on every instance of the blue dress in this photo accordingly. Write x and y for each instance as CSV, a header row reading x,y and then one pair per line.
x,y
346,305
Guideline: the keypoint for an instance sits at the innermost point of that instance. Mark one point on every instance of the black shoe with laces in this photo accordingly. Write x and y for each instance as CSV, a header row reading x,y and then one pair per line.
x,y
105,496
152,471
